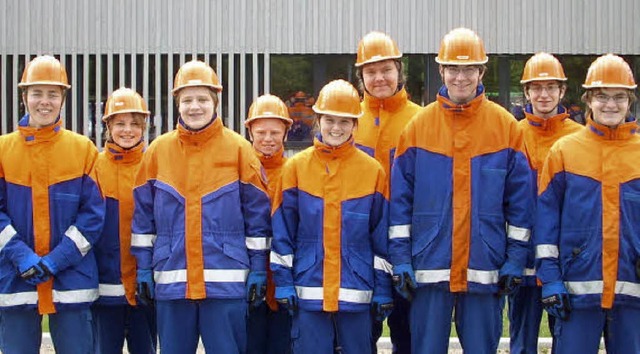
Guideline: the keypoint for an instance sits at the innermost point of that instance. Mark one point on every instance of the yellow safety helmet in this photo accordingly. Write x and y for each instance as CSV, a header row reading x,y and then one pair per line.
x,y
461,46
375,47
44,70
124,100
196,73
338,98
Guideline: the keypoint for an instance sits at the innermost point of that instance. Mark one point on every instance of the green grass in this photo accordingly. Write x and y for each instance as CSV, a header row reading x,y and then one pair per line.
x,y
544,327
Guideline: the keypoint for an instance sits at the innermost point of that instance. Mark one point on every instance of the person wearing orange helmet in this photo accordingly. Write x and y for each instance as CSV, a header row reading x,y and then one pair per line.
x,y
459,177
268,326
329,241
386,111
587,245
118,313
201,223
51,215
546,121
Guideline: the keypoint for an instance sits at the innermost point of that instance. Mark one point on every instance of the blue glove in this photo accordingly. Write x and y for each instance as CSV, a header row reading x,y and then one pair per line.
x,y
256,287
404,280
287,297
31,271
381,306
510,278
145,286
555,299
48,265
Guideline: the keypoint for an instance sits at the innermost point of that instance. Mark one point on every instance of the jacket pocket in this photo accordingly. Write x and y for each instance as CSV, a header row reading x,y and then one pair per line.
x,y
362,268
424,230
304,259
492,182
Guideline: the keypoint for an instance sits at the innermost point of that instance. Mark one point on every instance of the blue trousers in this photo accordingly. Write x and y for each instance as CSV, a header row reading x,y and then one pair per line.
x,y
268,332
71,331
478,320
114,323
582,332
399,326
525,314
221,323
315,332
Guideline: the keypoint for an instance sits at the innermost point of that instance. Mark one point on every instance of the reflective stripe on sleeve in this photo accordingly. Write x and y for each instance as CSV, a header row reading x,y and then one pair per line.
x,y
5,236
78,238
399,231
258,243
547,251
285,261
143,240
382,264
518,233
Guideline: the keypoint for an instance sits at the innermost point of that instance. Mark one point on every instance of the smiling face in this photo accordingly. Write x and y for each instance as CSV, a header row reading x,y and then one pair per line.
x,y
545,97
126,129
43,103
461,81
609,106
336,130
381,78
267,135
196,106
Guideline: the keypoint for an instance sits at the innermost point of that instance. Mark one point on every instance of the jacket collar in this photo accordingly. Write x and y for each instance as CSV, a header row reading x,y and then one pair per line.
x,y
125,156
327,152
624,131
466,109
546,124
272,161
389,104
199,136
34,135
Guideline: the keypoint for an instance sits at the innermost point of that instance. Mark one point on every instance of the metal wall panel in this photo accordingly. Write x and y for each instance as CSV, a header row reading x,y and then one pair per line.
x,y
310,26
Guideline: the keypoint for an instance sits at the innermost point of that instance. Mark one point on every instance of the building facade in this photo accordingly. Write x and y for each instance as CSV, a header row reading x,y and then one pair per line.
x,y
290,48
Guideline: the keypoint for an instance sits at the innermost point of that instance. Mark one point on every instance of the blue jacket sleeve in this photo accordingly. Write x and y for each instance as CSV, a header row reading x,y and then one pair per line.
x,y
285,227
11,245
143,226
401,204
380,226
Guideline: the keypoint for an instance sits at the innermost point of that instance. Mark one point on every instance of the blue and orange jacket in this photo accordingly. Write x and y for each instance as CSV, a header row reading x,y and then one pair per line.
x,y
587,217
50,203
330,225
539,135
460,175
116,169
381,124
273,167
201,216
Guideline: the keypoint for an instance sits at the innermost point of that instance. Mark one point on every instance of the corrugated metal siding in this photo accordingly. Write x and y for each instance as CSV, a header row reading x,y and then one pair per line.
x,y
311,26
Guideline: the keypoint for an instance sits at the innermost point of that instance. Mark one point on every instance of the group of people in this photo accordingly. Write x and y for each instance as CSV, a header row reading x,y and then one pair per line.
x,y
413,214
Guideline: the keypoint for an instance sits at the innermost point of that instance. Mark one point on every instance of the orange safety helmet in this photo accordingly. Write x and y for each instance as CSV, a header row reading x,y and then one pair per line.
x,y
375,47
44,70
609,71
268,106
461,46
338,98
196,73
124,100
542,66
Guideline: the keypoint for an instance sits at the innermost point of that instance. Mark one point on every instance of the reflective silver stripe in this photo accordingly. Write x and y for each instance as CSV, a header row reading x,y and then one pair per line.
x,y
382,264
286,260
210,275
258,243
584,287
529,271
16,299
78,238
433,276
482,276
347,295
75,296
519,233
400,231
143,240
5,236
628,288
111,290
547,251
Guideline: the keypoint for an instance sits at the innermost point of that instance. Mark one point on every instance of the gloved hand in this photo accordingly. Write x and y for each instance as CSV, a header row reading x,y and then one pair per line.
x,y
256,287
145,286
287,297
404,280
31,271
555,299
510,278
381,306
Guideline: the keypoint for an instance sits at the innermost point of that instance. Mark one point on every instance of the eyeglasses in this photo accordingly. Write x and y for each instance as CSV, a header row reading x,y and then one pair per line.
x,y
467,71
621,98
551,89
